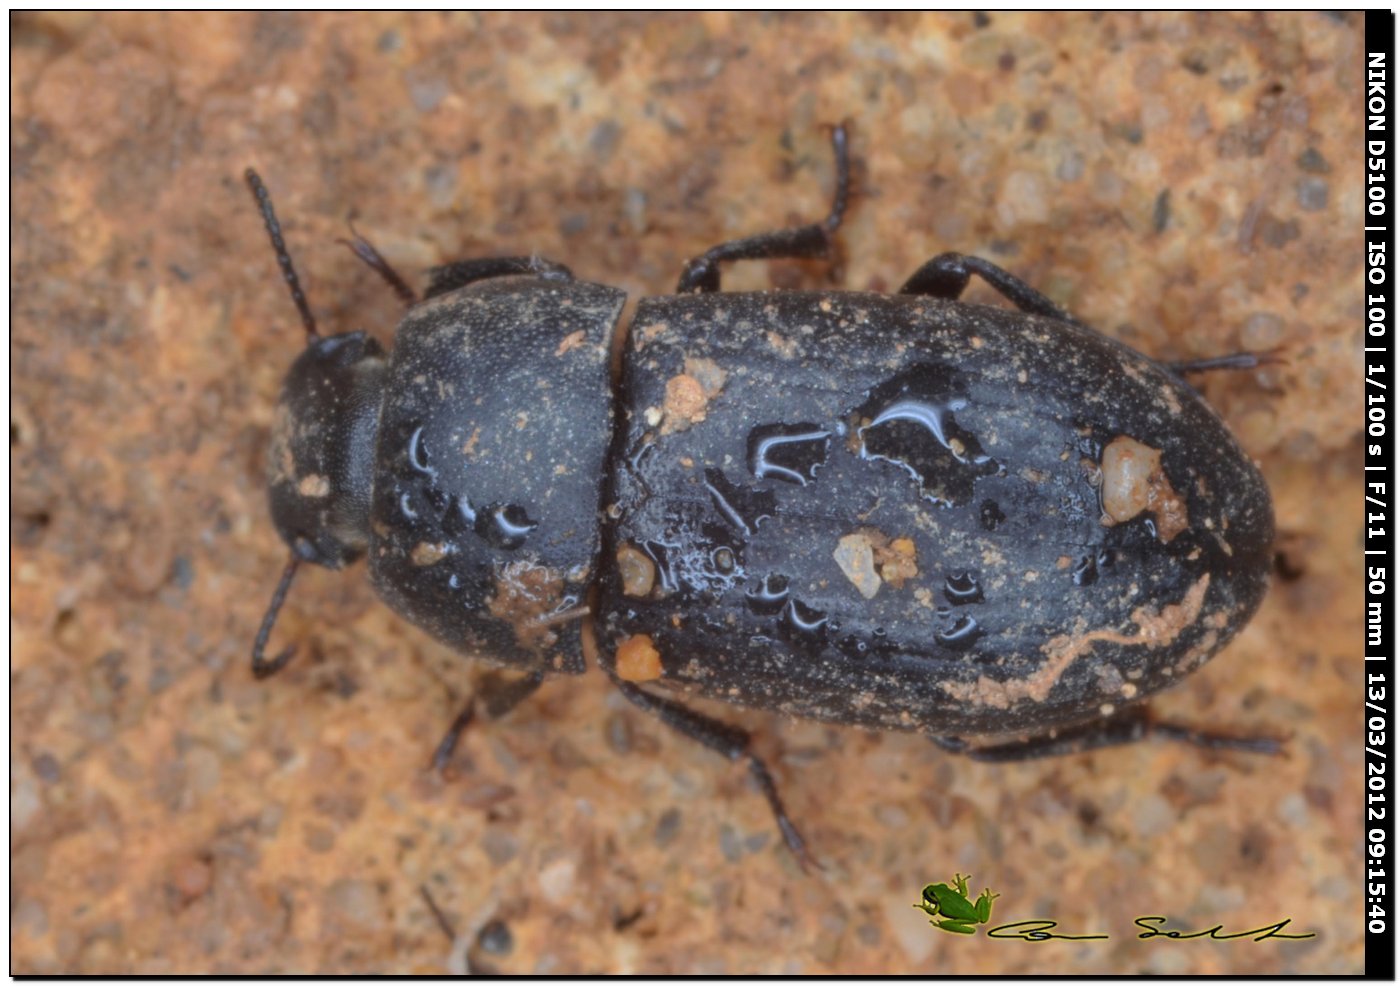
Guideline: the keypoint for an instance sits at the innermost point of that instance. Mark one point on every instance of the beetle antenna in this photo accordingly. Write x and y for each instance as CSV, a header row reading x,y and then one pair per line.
x,y
284,260
365,250
263,668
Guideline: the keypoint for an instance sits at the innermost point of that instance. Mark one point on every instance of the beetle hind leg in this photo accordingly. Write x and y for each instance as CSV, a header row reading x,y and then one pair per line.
x,y
730,742
813,241
1131,726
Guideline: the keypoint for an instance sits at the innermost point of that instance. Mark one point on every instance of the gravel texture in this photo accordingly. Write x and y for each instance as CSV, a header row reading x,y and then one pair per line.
x,y
1188,183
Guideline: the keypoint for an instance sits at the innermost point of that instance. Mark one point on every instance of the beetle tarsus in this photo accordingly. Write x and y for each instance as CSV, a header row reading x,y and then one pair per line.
x,y
793,838
1272,746
262,667
1131,726
1246,360
813,241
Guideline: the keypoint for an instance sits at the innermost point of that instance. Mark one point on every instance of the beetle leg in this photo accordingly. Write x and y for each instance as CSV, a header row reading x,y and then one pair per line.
x,y
365,250
500,695
1234,361
450,277
262,666
730,742
1126,727
448,744
946,276
701,274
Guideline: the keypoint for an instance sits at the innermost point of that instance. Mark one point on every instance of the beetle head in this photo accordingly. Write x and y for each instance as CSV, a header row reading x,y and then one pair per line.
x,y
321,459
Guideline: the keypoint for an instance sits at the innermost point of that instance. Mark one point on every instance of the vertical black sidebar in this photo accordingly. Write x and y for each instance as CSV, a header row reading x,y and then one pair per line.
x,y
1380,685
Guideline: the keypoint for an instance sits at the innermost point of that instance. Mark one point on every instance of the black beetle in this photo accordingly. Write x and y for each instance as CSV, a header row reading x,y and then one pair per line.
x,y
892,511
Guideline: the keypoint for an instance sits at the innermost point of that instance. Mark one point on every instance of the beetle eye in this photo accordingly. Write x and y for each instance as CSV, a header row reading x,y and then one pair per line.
x,y
305,550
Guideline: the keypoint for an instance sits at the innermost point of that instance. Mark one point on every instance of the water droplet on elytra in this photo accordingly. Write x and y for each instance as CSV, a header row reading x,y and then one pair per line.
x,y
504,525
805,620
743,508
912,425
962,588
790,452
768,599
964,632
418,453
1086,572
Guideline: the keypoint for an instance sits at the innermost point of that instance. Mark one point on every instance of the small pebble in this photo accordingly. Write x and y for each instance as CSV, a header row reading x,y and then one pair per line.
x,y
1313,161
182,572
1293,810
500,846
1153,815
357,901
46,767
557,879
1071,167
318,838
603,140
667,828
619,732
565,755
1262,330
730,844
426,94
495,938
1312,194
193,878
24,802
29,918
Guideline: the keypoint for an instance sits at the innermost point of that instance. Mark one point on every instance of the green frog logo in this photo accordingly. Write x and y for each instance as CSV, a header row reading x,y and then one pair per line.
x,y
950,908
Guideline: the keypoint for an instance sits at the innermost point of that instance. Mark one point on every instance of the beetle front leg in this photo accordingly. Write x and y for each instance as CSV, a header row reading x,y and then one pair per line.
x,y
802,242
729,741
947,275
1132,726
366,251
